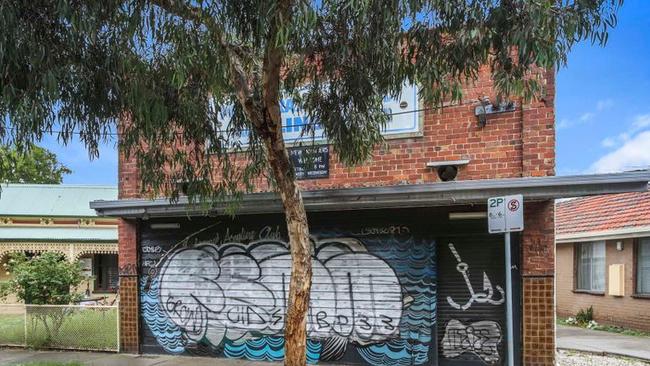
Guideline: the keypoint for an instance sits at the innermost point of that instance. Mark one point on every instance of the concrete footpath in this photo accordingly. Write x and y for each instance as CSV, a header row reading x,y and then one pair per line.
x,y
18,356
607,343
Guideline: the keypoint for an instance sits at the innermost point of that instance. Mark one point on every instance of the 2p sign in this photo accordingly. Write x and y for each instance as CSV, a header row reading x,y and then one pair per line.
x,y
505,214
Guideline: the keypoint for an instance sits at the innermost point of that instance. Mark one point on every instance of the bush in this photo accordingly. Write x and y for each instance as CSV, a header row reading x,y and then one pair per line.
x,y
45,279
585,316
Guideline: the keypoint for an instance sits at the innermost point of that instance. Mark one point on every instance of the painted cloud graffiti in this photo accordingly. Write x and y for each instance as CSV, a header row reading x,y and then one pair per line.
x,y
233,292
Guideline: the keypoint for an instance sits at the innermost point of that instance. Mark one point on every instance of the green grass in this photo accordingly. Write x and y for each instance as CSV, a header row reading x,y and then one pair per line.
x,y
87,329
609,328
12,329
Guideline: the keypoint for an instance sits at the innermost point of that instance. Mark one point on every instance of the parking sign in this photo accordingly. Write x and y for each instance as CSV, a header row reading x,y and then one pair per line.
x,y
505,214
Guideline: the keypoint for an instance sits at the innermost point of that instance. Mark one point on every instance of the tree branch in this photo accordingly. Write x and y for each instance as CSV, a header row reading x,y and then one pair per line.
x,y
239,78
272,64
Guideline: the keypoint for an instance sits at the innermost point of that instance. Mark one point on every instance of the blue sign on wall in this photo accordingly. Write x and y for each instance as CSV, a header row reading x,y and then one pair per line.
x,y
404,111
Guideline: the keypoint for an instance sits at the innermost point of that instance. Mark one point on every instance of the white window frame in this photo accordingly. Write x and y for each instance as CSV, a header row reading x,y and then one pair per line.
x,y
591,266
642,263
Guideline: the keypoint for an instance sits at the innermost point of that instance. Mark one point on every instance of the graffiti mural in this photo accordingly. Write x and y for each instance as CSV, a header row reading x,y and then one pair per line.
x,y
480,338
372,296
485,297
472,310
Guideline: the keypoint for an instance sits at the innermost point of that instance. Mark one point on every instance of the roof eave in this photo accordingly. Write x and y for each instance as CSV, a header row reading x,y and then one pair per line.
x,y
613,234
421,195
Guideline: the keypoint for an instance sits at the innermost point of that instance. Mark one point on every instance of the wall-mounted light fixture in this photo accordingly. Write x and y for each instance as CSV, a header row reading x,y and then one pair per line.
x,y
619,245
447,169
486,108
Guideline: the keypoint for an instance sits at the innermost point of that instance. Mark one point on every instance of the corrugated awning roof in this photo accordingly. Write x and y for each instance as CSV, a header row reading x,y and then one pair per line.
x,y
14,233
421,195
52,199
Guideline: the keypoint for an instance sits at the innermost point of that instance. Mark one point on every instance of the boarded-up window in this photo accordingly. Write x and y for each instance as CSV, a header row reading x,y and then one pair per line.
x,y
591,266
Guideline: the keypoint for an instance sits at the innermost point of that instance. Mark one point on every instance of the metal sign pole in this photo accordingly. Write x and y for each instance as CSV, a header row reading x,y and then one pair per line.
x,y
510,330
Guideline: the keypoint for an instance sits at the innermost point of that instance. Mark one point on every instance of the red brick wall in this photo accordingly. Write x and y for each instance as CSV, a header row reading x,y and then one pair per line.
x,y
513,144
626,311
538,262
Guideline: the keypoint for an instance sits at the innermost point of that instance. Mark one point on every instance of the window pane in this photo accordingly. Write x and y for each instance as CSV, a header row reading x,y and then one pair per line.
x,y
643,266
591,266
598,266
584,266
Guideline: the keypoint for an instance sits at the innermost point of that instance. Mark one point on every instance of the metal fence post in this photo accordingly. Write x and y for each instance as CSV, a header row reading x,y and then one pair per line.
x,y
118,327
25,335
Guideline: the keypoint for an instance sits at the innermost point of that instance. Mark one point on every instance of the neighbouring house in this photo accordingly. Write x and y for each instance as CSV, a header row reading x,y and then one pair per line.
x,y
405,271
603,258
36,218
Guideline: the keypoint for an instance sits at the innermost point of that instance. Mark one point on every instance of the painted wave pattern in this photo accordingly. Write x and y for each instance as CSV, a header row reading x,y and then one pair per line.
x,y
415,266
413,262
267,349
168,334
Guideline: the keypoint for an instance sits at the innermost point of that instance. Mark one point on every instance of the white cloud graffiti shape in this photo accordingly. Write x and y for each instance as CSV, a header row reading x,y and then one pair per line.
x,y
238,291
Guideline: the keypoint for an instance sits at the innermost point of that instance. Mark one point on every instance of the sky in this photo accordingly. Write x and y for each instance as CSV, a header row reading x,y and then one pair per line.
x,y
603,100
602,108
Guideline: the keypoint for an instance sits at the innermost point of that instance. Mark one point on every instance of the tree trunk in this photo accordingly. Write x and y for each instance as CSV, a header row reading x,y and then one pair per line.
x,y
295,332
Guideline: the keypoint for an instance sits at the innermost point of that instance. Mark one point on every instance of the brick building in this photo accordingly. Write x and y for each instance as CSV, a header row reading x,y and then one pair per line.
x,y
603,258
404,270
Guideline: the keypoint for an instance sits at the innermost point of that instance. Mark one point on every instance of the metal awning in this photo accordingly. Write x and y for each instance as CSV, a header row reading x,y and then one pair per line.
x,y
401,196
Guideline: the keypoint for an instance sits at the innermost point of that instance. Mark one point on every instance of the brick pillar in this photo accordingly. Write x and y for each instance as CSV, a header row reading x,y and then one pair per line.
x,y
129,300
538,265
128,183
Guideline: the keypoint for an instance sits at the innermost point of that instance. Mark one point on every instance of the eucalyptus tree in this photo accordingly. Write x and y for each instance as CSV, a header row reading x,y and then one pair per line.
x,y
194,88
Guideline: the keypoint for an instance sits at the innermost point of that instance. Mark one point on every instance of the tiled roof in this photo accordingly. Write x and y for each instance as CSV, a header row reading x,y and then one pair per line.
x,y
52,199
601,213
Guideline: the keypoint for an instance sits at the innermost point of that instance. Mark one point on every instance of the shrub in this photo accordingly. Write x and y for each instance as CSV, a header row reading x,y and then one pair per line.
x,y
585,316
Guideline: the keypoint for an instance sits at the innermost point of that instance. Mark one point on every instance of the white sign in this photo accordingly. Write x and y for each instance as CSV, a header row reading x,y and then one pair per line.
x,y
403,111
505,214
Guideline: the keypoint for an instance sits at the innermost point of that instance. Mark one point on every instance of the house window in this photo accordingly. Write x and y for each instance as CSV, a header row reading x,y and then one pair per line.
x,y
105,272
643,267
591,266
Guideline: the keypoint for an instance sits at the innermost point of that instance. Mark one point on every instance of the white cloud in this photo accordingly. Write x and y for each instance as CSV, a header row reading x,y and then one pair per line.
x,y
585,117
633,154
564,123
608,142
604,104
640,122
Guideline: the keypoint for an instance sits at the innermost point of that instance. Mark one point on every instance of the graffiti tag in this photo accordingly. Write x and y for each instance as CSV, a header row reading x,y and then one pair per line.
x,y
478,297
480,338
240,291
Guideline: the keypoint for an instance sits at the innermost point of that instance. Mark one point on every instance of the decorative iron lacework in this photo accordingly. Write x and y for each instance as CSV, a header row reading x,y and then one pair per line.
x,y
72,251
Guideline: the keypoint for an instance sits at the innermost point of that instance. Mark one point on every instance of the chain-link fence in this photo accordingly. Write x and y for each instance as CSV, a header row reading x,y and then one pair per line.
x,y
60,326
12,325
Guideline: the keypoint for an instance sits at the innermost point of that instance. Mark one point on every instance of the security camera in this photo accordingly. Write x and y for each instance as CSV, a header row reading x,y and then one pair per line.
x,y
447,173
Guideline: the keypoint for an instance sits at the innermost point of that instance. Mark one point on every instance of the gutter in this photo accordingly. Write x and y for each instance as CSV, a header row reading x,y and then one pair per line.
x,y
614,234
419,195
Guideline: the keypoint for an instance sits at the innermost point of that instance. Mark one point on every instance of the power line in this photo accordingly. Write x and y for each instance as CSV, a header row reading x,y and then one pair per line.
x,y
117,134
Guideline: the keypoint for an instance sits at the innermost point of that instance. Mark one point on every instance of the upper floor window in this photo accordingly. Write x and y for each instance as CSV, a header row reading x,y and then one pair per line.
x,y
643,267
590,261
